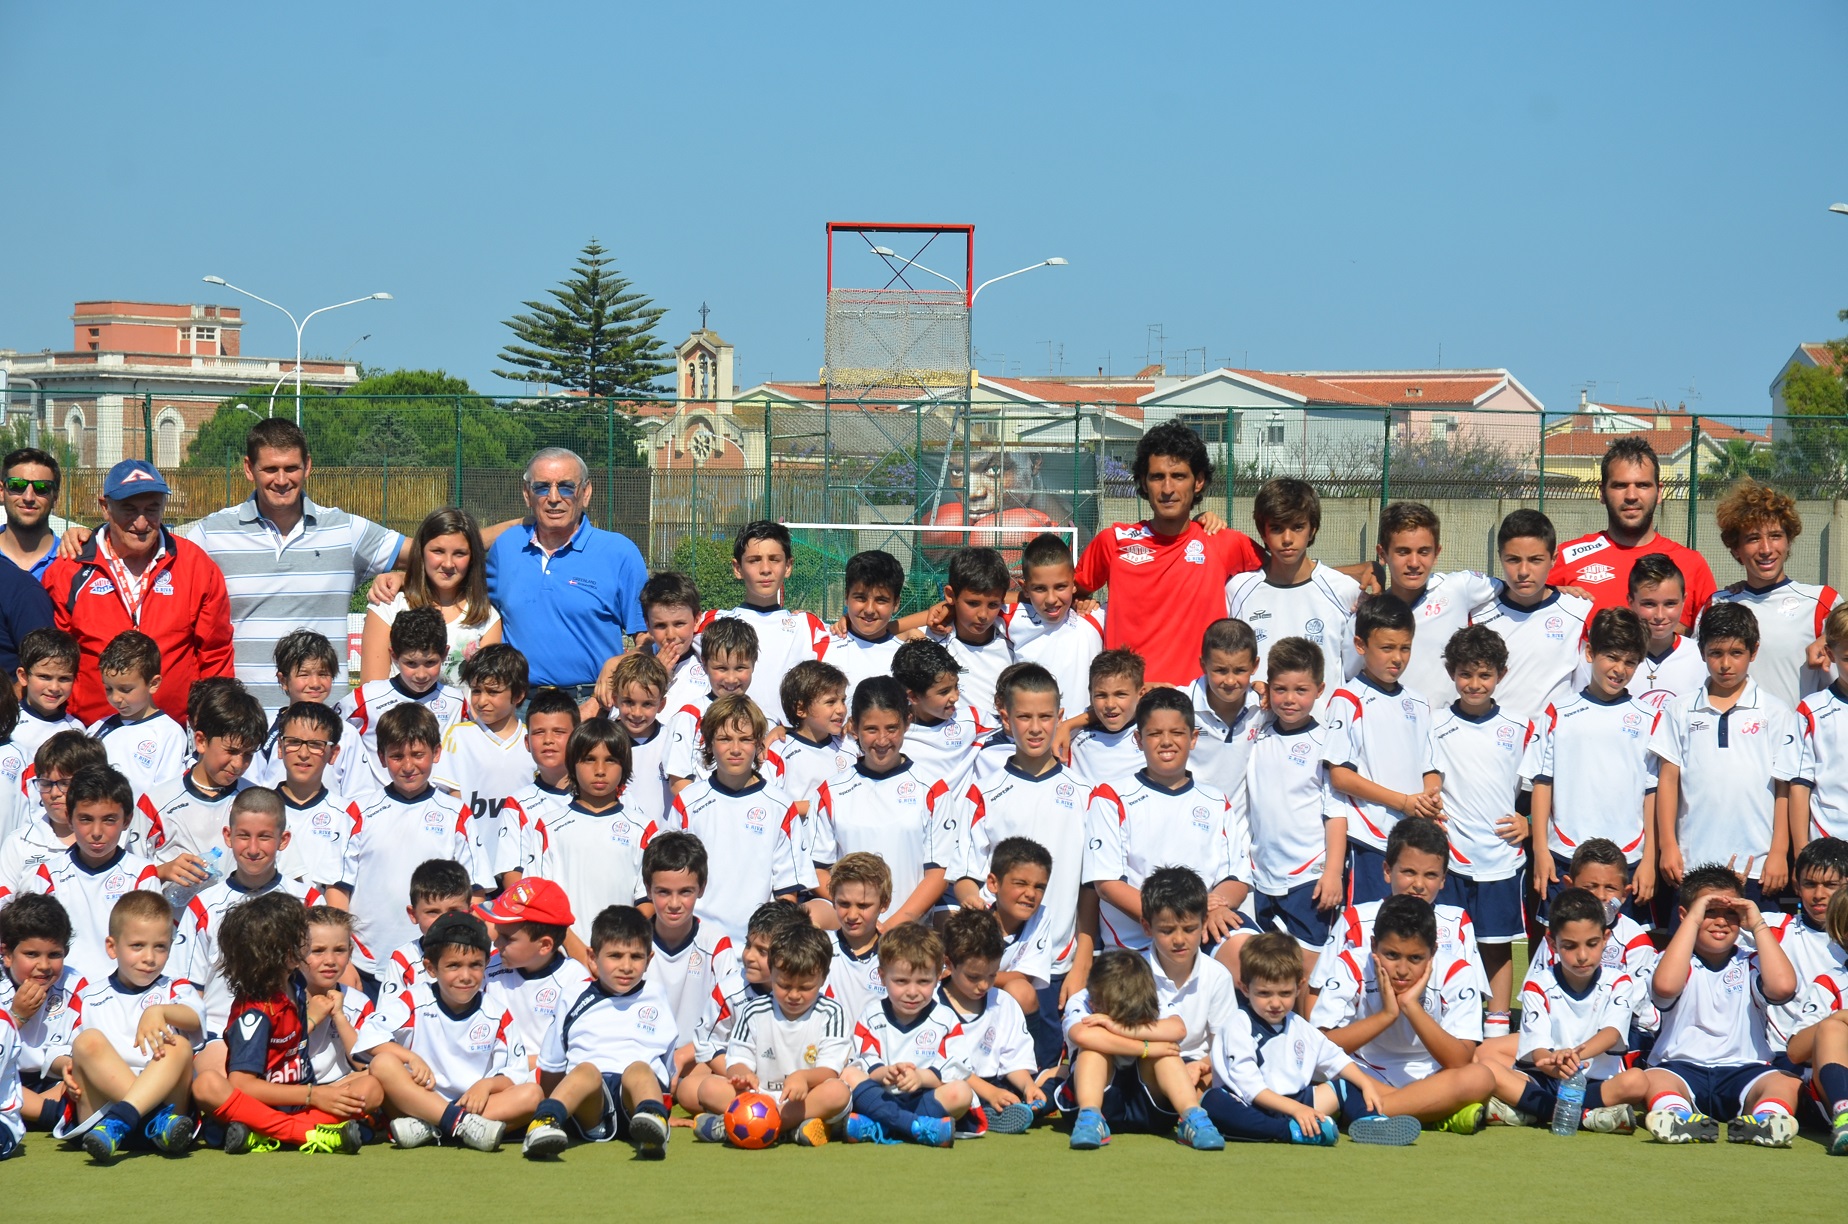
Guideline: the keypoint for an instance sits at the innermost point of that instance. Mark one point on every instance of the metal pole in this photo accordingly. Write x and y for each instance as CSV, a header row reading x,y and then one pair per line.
x,y
456,499
1386,463
298,371
1542,465
385,485
609,464
1225,434
147,426
1694,484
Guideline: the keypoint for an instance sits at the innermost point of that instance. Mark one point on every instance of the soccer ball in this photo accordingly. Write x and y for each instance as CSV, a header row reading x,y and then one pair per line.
x,y
752,1121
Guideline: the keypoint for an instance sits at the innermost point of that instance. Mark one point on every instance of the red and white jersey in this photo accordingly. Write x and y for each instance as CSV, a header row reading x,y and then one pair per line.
x,y
613,1030
982,665
596,857
391,837
688,682
403,968
750,847
854,981
948,749
113,1008
807,764
1107,756
1030,950
1718,1019
358,771
462,1048
266,767
1543,649
720,1010
904,816
1790,616
195,938
1050,810
532,811
1730,764
21,853
1285,802
327,1054
34,728
1253,1057
16,807
1480,759
862,658
1065,649
687,972
484,771
880,1039
1137,826
318,833
785,637
775,1046
994,1042
1206,1001
1822,722
1554,1017
1595,755
1350,992
1628,950
1164,590
178,816
1813,955
46,1035
1601,566
1449,602
1816,1001
1352,933
1384,735
1319,608
148,752
682,756
646,793
88,894
1223,750
535,998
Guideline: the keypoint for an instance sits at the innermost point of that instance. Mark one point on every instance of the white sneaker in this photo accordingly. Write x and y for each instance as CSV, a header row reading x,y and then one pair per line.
x,y
1503,1114
412,1132
1609,1120
480,1133
544,1140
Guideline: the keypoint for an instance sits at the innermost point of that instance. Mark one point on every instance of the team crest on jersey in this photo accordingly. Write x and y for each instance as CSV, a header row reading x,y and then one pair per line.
x,y
116,885
1633,724
546,1000
1408,706
1134,532
164,584
810,1055
1790,607
144,754
102,586
480,1034
434,819
646,1016
1596,572
755,818
1556,628
925,1039
619,833
1733,979
1202,818
953,732
1504,736
322,820
1299,752
907,792
1064,793
54,1001
1194,553
1137,554
1300,1049
1313,627
9,769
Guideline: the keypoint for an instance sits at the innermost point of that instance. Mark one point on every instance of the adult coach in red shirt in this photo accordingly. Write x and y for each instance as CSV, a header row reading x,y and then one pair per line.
x,y
1167,576
1630,482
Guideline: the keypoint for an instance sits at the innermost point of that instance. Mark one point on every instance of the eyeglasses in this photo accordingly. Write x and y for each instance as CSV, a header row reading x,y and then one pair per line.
x,y
566,489
54,784
289,743
18,484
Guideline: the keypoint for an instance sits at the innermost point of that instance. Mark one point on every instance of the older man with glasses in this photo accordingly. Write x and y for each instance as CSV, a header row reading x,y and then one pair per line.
x,y
30,491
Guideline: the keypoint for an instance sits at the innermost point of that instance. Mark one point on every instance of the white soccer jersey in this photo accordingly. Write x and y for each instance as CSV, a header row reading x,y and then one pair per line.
x,y
596,857
1790,616
682,755
1718,1020
1106,756
1730,763
1319,608
12,1098
613,1031
729,994
1480,759
1030,951
1449,602
46,1035
485,771
1285,801
392,836
1065,649
358,771
902,815
854,981
689,681
862,658
994,1042
1223,750
750,851
1816,1001
981,667
535,997
776,1046
113,1008
1384,735
404,968
1452,997
148,752
34,728
646,792
686,974
948,749
462,1048
1207,1001
1050,810
532,812
178,816
318,833
16,809
807,764
1823,766
1554,1017
1628,950
326,1054
880,1039
88,894
1813,955
1543,649
1595,754
1659,679
1250,1056
785,637
1134,828
1352,933
266,767
21,854
195,939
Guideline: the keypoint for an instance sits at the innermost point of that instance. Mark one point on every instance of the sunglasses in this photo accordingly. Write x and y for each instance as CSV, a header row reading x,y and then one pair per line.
x,y
18,484
567,489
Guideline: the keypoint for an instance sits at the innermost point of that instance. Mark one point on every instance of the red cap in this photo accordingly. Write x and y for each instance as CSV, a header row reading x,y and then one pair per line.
x,y
531,900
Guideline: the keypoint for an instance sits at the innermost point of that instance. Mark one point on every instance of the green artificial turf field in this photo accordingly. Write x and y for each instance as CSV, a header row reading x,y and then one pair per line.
x,y
1137,1178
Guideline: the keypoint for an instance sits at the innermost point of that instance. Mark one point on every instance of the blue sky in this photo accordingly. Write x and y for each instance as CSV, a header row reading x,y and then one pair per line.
x,y
1632,195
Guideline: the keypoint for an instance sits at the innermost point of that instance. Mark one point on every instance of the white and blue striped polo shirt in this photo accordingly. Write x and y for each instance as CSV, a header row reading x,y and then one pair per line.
x,y
280,583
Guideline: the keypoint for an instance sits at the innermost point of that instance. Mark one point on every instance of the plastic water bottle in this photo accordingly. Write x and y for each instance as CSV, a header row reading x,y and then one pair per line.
x,y
1569,1105
179,894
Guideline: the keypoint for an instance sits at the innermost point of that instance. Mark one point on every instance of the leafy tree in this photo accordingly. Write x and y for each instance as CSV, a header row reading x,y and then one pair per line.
x,y
1810,457
1739,459
595,336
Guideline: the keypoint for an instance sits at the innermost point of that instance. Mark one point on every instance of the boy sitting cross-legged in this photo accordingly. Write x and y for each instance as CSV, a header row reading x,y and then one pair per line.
x,y
904,1081
993,1043
531,921
38,991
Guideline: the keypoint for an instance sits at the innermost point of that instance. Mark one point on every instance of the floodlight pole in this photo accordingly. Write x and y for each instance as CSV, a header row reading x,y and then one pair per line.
x,y
298,325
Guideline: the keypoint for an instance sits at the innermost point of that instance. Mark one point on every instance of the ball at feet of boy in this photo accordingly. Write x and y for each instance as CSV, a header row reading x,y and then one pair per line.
x,y
752,1121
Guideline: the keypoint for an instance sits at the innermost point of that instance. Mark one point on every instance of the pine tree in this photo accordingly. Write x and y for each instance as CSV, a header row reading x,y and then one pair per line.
x,y
596,337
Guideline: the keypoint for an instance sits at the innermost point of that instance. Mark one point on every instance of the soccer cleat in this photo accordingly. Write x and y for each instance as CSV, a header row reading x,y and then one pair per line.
x,y
333,1138
543,1141
1669,1126
649,1131
1838,1136
1382,1131
812,1133
1503,1114
1609,1120
1090,1131
170,1131
1765,1130
1197,1131
482,1134
709,1128
241,1140
408,1132
862,1129
933,1132
1325,1136
1466,1121
104,1140
1014,1120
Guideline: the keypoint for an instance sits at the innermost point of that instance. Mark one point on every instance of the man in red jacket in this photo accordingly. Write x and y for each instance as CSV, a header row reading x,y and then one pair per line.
x,y
135,574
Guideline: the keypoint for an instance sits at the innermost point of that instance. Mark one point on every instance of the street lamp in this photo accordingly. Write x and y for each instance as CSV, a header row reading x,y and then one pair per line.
x,y
299,325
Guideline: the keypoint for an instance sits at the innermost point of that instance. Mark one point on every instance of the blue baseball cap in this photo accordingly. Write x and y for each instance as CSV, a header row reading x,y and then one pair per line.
x,y
132,477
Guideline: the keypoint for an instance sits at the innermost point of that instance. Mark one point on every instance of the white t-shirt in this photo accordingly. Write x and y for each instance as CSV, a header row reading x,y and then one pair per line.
x,y
1222,751
532,811
647,792
1050,810
1823,766
16,810
359,771
1817,1001
535,998
613,1032
902,815
111,1007
981,666
1790,616
1730,764
880,1038
1553,1017
177,817
1384,735
1718,1020
464,640
34,729
686,974
1207,1001
462,1048
861,658
1596,756
391,838
148,752
785,637
1452,997
1480,759
88,894
682,757
1659,679
1286,803
1449,602
948,749
47,1034
1065,649
485,771
1135,827
1254,1057
1030,951
1543,649
776,1046
806,765
596,857
1352,933
854,981
750,850
994,1042
1319,608
326,1054
318,833
1814,956
1107,756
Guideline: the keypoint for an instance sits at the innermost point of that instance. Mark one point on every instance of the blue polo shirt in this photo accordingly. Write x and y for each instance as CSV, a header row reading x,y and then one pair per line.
x,y
567,613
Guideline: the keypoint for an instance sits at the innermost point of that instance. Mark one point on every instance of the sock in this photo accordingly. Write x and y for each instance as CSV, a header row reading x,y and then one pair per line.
x,y
124,1113
452,1118
1673,1102
651,1106
1769,1109
1495,1024
1832,1086
271,1123
550,1111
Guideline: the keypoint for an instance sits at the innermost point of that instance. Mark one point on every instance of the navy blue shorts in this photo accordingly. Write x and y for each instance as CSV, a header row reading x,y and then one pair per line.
x,y
613,1122
1493,906
1128,1105
1718,1092
1295,914
1546,1089
1366,874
